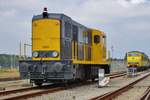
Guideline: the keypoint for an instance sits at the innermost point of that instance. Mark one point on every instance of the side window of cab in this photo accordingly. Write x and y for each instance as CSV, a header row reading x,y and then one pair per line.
x,y
104,40
96,39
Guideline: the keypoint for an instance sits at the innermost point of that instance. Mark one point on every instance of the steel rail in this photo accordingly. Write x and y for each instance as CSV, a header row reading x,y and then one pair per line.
x,y
116,73
2,93
113,94
29,95
9,79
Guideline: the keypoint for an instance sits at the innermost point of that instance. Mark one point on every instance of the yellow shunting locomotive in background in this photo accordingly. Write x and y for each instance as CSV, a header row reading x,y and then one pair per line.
x,y
137,59
63,50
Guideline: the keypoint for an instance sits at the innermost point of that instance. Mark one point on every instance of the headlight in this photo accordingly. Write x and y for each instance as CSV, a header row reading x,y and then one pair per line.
x,y
55,54
35,54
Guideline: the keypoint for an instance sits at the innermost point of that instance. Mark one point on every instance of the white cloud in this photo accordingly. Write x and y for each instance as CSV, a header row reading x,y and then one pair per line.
x,y
130,3
137,1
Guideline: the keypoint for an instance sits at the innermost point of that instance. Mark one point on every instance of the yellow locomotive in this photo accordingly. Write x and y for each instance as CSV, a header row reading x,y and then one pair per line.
x,y
137,59
63,50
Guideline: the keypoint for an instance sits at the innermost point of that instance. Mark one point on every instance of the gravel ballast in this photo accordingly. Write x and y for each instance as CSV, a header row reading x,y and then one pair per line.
x,y
88,91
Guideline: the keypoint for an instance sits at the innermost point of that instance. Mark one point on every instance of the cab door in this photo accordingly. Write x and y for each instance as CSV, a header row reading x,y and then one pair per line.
x,y
74,41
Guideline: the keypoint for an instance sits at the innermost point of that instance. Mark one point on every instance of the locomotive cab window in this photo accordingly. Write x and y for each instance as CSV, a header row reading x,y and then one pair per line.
x,y
67,29
75,32
96,39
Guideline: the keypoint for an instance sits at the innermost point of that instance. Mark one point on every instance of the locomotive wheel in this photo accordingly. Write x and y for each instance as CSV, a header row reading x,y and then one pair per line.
x,y
38,84
93,79
107,69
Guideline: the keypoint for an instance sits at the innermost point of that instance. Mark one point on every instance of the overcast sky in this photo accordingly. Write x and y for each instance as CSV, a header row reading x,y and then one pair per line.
x,y
126,22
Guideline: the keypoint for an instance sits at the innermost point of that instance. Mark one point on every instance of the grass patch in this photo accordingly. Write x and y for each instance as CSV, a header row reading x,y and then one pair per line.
x,y
6,73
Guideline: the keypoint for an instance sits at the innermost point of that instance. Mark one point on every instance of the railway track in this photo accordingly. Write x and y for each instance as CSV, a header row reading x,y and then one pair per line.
x,y
9,79
146,95
37,91
120,91
114,75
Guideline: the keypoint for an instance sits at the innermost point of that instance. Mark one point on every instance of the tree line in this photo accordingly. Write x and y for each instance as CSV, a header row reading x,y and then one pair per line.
x,y
9,61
